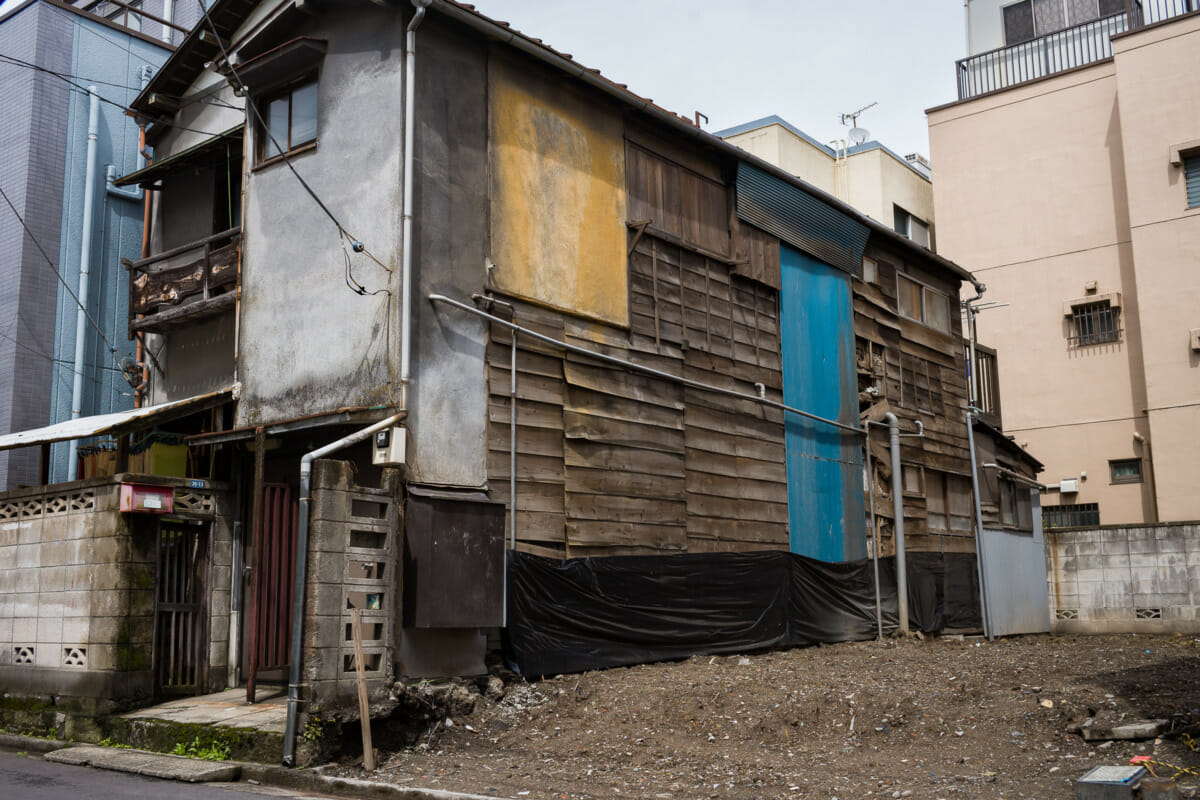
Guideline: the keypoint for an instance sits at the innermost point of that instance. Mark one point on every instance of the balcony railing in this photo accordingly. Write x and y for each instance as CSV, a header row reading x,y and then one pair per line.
x,y
183,284
987,383
1062,50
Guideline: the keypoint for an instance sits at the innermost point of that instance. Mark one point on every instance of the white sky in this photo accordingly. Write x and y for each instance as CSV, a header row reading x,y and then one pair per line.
x,y
805,60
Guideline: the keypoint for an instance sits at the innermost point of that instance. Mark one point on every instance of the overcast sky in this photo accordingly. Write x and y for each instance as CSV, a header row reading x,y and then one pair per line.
x,y
805,60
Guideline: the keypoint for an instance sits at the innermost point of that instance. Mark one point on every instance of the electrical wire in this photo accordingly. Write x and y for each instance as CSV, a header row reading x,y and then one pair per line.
x,y
355,244
50,262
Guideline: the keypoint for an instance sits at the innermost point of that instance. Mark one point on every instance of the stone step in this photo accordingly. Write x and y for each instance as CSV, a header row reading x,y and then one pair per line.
x,y
152,765
164,735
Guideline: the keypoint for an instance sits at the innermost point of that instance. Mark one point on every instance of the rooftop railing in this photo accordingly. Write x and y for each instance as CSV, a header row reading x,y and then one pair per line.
x,y
1061,50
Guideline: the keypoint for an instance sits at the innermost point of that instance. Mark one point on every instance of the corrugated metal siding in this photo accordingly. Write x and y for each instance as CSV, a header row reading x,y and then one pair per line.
x,y
800,219
824,464
1191,171
1015,575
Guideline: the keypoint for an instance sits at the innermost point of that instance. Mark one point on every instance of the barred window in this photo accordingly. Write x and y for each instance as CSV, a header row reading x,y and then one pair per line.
x,y
1094,323
1071,516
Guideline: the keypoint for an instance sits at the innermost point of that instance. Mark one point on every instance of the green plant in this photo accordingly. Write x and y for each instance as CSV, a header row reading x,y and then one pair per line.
x,y
109,742
215,750
314,729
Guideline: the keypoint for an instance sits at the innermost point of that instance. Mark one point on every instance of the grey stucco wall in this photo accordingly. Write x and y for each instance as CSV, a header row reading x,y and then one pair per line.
x,y
31,174
448,397
1125,579
307,342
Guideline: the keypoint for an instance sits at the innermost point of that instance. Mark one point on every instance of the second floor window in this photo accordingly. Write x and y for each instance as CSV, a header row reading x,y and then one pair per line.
x,y
289,120
922,303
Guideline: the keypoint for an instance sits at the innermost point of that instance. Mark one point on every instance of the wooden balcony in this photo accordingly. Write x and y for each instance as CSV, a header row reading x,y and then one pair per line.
x,y
184,284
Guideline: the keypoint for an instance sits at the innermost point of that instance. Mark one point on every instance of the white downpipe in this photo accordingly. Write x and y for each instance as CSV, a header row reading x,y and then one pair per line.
x,y
893,424
410,113
85,263
169,15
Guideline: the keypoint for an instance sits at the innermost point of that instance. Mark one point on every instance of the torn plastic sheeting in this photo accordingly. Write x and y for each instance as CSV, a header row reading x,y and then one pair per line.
x,y
574,615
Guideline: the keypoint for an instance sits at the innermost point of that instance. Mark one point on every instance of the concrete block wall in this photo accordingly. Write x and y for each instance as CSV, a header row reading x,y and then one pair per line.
x,y
353,553
77,592
1125,578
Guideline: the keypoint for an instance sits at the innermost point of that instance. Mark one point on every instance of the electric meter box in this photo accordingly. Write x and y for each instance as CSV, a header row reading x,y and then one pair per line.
x,y
391,446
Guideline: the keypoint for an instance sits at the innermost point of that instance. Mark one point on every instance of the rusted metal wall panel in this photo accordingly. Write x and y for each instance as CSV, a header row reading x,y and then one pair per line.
x,y
557,193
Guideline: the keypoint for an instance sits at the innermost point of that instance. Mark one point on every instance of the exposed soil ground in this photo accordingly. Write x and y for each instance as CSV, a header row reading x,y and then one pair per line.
x,y
923,719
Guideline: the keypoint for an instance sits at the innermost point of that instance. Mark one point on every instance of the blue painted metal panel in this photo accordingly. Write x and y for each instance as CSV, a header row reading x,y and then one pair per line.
x,y
824,464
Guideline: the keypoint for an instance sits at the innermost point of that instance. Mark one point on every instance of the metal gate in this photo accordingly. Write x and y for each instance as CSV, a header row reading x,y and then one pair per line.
x,y
180,629
272,578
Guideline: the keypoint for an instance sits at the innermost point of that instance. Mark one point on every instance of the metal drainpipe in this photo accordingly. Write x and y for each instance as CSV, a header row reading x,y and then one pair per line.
x,y
85,262
984,606
169,16
898,524
874,528
410,113
289,734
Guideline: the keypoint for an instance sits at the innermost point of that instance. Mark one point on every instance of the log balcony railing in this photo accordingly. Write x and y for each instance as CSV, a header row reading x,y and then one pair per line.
x,y
183,284
1060,50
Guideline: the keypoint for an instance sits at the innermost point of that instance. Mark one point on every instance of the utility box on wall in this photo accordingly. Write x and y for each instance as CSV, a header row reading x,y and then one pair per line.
x,y
453,559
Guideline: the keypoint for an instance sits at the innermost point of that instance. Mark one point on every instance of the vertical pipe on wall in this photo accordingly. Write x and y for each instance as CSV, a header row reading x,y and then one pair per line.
x,y
85,258
874,529
898,524
410,94
168,15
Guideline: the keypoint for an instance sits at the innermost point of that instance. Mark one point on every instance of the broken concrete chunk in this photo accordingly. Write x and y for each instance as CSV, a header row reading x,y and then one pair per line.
x,y
1142,729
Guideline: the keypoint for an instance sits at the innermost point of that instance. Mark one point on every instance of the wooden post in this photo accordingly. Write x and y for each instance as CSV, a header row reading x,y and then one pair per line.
x,y
364,709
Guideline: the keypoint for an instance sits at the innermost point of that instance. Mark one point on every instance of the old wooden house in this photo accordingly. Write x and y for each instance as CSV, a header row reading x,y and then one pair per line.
x,y
400,314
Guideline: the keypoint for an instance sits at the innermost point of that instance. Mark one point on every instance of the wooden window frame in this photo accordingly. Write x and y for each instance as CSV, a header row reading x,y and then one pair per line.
x,y
925,288
261,136
918,492
946,479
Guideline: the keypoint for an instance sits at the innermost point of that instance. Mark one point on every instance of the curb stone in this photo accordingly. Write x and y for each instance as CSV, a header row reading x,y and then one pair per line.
x,y
152,765
34,744
307,780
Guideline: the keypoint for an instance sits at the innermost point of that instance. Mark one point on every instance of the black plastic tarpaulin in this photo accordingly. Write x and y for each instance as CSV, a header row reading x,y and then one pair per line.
x,y
590,613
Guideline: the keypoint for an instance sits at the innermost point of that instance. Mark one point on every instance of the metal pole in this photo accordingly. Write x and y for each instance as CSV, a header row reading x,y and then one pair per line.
x,y
898,522
984,606
85,261
406,226
874,530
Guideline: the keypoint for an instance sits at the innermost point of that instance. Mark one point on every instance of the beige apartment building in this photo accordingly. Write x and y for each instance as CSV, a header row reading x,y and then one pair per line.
x,y
888,188
1068,180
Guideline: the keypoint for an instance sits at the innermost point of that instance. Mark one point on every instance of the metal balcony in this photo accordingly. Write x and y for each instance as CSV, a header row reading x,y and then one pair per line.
x,y
1061,50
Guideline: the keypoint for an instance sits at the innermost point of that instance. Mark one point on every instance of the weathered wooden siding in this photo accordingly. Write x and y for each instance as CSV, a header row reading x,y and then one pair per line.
x,y
921,375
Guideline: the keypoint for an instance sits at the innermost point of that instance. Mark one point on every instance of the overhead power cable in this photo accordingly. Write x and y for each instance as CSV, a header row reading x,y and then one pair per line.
x,y
50,262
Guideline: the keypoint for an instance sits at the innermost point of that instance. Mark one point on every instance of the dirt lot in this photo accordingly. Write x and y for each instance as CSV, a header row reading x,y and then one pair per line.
x,y
922,719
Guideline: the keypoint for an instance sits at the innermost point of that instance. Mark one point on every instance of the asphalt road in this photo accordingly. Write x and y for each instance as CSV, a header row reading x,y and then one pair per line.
x,y
28,777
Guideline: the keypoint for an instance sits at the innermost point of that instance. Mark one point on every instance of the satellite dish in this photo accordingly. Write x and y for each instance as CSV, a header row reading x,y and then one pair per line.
x,y
859,135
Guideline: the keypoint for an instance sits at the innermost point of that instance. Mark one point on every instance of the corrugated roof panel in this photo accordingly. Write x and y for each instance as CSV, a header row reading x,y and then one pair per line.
x,y
800,219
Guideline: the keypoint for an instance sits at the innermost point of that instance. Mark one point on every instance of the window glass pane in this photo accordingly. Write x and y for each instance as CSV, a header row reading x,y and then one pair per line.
x,y
1024,508
918,231
277,127
1081,11
912,480
870,270
1126,471
1048,16
304,114
959,491
1008,509
908,297
937,310
1191,174
899,220
1018,23
935,493
1110,7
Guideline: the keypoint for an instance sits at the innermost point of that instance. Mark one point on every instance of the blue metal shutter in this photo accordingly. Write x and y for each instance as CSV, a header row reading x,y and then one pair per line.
x,y
800,219
1191,173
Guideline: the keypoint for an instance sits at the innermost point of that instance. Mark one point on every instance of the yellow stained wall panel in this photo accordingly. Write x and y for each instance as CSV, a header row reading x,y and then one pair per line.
x,y
558,195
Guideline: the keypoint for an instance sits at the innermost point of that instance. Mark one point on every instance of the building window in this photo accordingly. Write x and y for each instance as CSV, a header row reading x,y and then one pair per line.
x,y
1094,323
1016,505
870,270
914,228
289,120
1078,515
1126,470
914,479
948,503
1018,23
920,385
1191,177
923,303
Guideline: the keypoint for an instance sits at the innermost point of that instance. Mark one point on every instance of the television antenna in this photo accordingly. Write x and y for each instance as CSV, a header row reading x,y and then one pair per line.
x,y
857,135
